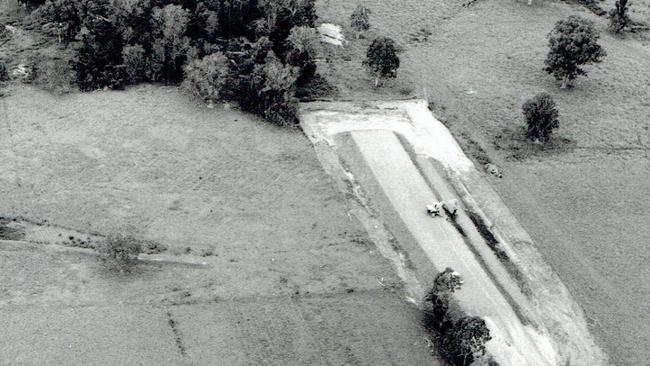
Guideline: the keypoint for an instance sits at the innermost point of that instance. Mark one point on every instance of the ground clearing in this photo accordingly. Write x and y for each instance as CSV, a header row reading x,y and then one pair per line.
x,y
478,64
293,279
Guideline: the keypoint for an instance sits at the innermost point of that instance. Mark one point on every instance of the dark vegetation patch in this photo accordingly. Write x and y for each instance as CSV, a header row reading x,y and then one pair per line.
x,y
10,233
453,219
496,247
487,235
459,339
177,335
593,6
258,54
519,148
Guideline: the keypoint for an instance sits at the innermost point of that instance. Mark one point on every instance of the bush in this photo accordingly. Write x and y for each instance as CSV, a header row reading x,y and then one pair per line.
x,y
55,75
618,16
381,59
119,252
572,43
360,19
4,73
206,78
541,117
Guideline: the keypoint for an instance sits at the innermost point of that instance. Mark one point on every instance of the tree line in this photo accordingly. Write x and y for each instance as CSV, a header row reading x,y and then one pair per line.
x,y
257,53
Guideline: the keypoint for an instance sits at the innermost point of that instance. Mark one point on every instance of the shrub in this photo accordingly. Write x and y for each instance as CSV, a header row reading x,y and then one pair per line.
x,y
381,59
541,117
206,78
618,16
119,252
4,73
55,75
572,43
360,19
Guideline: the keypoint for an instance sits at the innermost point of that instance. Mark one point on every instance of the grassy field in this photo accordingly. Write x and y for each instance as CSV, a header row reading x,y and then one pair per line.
x,y
292,279
584,197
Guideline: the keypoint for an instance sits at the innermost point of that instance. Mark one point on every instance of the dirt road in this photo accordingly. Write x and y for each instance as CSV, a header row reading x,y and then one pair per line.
x,y
408,193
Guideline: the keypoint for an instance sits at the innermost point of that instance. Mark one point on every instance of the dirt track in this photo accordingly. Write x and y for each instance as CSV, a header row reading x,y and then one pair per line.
x,y
408,192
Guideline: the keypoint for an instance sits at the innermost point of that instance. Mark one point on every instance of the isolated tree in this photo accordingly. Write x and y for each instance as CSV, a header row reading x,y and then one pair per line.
x,y
541,117
360,19
381,59
572,43
465,343
618,16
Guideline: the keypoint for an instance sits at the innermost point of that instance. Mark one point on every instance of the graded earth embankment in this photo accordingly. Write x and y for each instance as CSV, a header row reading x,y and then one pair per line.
x,y
526,289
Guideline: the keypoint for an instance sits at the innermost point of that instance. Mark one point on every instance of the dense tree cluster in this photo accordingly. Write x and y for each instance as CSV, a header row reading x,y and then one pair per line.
x,y
461,339
252,52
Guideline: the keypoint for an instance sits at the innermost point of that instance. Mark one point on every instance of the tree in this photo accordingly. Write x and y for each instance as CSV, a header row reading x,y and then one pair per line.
x,y
63,16
541,117
618,16
444,285
135,20
572,43
134,59
275,86
303,46
447,281
360,19
99,58
284,15
466,341
171,46
381,59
